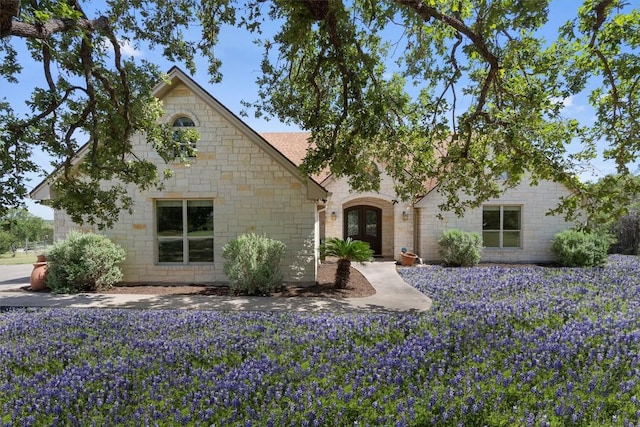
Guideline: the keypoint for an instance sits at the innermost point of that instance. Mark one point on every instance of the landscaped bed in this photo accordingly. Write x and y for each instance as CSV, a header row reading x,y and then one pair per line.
x,y
358,287
501,346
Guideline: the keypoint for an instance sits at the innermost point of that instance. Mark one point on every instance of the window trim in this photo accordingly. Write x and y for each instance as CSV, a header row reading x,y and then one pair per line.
x,y
501,231
185,234
175,128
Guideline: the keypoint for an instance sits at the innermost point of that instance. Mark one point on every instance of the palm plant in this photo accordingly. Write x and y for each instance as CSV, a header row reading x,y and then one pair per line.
x,y
346,251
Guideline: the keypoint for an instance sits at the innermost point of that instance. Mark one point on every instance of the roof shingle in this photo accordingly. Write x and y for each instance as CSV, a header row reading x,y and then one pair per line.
x,y
294,146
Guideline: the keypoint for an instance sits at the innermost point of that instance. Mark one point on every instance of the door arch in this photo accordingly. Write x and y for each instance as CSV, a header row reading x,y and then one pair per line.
x,y
364,223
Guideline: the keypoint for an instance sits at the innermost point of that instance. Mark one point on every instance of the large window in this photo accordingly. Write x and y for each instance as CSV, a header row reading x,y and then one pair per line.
x,y
185,147
184,231
501,226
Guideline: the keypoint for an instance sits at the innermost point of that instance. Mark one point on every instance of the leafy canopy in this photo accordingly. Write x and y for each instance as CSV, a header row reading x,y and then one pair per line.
x,y
20,227
464,91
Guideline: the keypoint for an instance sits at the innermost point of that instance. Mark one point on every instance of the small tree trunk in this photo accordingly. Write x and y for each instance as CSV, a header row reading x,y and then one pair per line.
x,y
635,239
342,273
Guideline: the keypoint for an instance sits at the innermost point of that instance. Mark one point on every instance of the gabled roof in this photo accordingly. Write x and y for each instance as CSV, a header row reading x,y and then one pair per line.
x,y
176,76
314,189
294,145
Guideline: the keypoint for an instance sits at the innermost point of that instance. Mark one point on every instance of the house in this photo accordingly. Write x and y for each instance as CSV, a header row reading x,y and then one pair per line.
x,y
238,183
514,227
241,182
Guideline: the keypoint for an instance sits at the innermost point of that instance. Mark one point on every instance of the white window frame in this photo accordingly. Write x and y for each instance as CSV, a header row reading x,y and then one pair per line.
x,y
183,147
501,231
185,233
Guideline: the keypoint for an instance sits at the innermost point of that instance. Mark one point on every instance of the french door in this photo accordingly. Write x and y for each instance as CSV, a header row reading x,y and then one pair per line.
x,y
364,223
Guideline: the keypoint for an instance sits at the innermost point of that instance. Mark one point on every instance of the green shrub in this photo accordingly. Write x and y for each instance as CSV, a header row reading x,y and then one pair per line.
x,y
346,251
5,242
460,248
627,234
580,249
84,262
253,264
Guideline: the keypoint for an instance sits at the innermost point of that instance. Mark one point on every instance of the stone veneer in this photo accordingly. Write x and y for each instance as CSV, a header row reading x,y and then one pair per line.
x,y
254,191
537,228
396,229
250,189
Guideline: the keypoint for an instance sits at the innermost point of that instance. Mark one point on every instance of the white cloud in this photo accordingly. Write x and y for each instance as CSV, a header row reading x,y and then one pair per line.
x,y
566,102
128,49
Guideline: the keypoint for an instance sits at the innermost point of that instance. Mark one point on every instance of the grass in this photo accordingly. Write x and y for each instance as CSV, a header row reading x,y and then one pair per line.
x,y
20,258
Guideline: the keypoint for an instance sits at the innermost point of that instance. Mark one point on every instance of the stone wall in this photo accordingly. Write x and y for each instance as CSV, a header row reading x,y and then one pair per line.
x,y
537,229
396,228
251,192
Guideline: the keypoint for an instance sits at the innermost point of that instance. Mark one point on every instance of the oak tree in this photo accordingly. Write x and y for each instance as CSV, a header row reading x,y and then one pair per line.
x,y
468,92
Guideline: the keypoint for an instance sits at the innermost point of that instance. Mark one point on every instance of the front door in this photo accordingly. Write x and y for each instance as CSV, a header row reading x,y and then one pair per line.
x,y
364,223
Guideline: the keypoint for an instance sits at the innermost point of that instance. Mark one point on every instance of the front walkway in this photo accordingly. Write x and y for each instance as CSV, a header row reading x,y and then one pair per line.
x,y
392,295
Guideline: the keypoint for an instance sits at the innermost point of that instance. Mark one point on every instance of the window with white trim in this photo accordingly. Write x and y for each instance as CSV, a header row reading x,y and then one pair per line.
x,y
184,122
184,231
501,226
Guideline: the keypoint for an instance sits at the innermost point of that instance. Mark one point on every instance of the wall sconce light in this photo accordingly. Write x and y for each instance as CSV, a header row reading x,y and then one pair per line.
x,y
333,216
405,215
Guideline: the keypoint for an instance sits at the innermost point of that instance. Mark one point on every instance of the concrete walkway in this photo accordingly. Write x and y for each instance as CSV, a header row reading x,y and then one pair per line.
x,y
392,295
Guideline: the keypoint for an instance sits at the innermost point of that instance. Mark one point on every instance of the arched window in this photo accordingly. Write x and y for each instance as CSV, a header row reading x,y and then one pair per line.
x,y
184,122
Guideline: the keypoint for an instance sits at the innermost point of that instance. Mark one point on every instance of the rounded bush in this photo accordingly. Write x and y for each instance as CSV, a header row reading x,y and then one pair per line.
x,y
84,262
460,248
580,249
253,264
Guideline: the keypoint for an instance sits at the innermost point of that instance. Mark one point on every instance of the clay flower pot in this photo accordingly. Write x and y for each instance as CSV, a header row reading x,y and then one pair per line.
x,y
408,258
38,279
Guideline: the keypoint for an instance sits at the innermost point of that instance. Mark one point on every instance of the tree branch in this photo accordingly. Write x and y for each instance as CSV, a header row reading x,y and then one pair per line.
x,y
428,12
19,126
601,15
46,30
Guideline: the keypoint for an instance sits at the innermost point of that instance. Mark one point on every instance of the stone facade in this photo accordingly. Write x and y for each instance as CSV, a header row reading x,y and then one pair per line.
x,y
397,229
537,228
253,187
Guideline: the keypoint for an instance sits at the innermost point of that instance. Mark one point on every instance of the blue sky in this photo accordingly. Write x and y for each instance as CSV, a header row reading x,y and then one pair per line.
x,y
241,66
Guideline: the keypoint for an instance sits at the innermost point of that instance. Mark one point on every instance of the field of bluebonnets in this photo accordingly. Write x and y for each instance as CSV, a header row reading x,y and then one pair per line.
x,y
524,346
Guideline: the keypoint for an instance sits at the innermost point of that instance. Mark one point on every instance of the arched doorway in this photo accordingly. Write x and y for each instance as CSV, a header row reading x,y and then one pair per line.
x,y
364,223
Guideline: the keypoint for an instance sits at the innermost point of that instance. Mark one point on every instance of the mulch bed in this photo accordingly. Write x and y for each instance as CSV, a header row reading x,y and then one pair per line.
x,y
359,287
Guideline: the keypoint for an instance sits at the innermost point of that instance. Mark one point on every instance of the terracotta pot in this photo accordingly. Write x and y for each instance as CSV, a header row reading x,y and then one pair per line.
x,y
39,276
408,258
